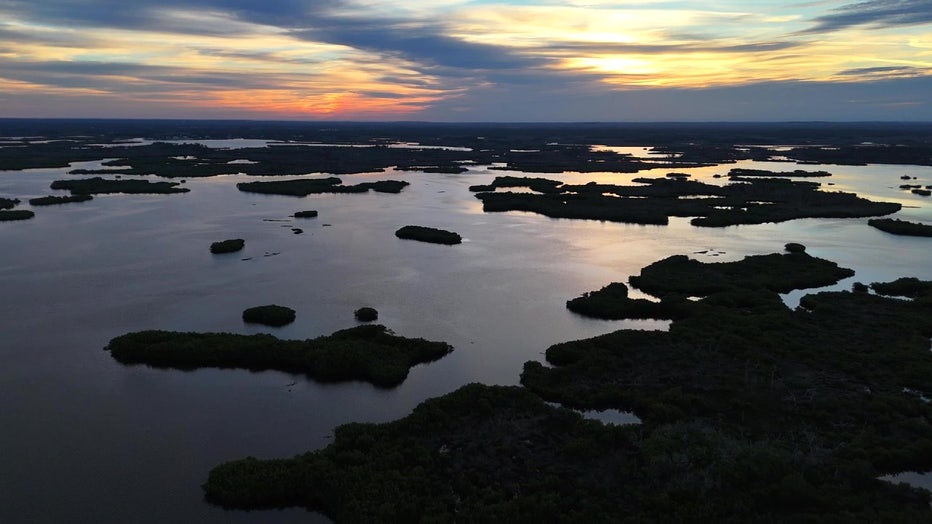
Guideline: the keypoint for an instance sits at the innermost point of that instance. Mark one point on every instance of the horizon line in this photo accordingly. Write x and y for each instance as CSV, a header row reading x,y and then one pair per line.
x,y
465,122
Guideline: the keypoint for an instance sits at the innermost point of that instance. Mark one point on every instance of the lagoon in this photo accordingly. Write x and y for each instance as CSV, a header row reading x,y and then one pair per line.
x,y
86,438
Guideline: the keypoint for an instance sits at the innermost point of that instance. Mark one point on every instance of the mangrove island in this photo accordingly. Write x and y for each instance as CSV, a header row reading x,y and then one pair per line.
x,y
227,246
270,315
368,352
429,234
750,411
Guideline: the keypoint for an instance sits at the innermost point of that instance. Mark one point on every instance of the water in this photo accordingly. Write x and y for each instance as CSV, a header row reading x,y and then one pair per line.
x,y
85,438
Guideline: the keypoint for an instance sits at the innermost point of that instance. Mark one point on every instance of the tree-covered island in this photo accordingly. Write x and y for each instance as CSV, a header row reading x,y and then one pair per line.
x,y
308,186
231,245
15,214
8,203
269,315
57,199
896,226
8,214
753,199
429,234
98,185
368,352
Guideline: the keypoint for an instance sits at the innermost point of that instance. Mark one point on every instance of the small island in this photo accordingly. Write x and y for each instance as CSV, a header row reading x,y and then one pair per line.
x,y
15,214
742,172
308,186
306,214
368,352
270,315
8,203
428,234
56,200
227,246
676,277
896,226
98,185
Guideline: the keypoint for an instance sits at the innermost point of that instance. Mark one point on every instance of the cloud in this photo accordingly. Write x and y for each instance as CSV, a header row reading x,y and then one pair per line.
x,y
888,100
449,57
151,14
885,72
684,47
425,44
110,76
875,14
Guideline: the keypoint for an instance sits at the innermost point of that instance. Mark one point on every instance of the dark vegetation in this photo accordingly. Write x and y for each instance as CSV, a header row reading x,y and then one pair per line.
x,y
910,287
54,200
750,412
227,246
8,203
674,278
479,454
270,315
306,214
522,147
741,172
780,273
98,185
15,214
746,200
194,160
794,247
428,234
822,399
306,186
612,303
366,314
901,227
368,352
541,185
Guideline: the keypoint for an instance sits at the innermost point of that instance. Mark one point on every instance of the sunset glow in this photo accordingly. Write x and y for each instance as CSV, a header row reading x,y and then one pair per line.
x,y
444,59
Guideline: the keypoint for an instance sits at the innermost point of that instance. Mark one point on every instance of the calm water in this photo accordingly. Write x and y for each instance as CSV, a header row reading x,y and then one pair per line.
x,y
86,439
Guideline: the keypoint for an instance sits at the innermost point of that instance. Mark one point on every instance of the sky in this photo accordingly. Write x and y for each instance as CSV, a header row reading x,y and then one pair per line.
x,y
468,60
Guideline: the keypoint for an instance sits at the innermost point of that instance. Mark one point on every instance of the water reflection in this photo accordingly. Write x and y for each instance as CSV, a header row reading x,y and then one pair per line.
x,y
613,417
77,275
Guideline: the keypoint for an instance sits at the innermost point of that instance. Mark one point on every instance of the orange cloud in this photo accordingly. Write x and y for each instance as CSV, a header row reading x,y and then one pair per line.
x,y
288,104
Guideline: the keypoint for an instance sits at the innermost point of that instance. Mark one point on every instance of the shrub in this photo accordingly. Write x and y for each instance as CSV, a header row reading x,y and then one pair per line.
x,y
366,314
